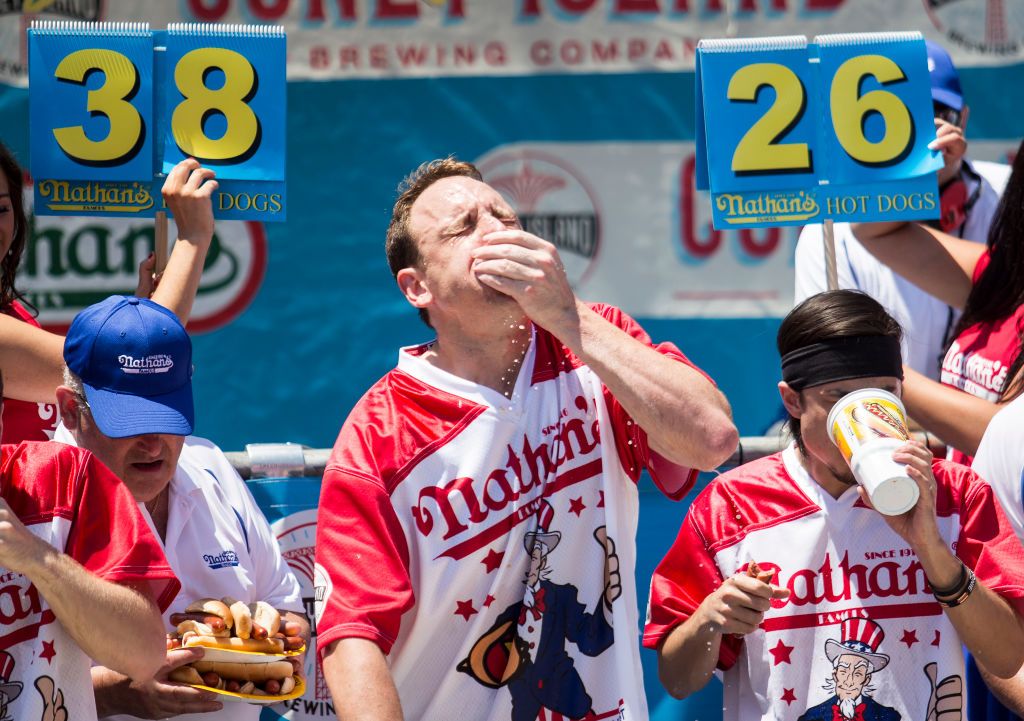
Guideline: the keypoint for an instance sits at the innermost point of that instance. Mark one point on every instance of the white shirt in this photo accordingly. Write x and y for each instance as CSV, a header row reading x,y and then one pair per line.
x,y
219,544
924,318
1000,461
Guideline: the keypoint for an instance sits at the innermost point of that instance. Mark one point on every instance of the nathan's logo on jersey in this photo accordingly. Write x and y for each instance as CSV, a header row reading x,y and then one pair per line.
x,y
552,201
159,363
21,610
221,560
845,581
567,455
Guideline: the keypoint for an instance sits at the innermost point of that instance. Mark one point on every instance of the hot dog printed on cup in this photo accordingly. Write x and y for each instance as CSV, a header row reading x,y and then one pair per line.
x,y
867,426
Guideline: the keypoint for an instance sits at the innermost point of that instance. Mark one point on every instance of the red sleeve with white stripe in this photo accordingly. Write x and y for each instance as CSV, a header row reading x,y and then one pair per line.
x,y
362,550
684,578
987,543
110,538
630,439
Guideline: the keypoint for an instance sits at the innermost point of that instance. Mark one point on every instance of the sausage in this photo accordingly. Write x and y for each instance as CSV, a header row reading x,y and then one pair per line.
x,y
211,679
214,622
272,687
258,632
291,628
293,643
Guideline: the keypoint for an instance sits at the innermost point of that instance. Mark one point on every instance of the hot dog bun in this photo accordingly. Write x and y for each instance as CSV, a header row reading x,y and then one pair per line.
x,y
266,645
266,616
202,629
241,615
255,672
185,674
213,606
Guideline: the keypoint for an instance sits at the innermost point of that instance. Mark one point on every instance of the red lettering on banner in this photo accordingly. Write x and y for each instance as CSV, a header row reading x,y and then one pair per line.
x,y
349,55
209,12
315,10
624,7
465,501
636,49
379,56
269,10
693,245
760,248
396,9
824,4
576,7
319,58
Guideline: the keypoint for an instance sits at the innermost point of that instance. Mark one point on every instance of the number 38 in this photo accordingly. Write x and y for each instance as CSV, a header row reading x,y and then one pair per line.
x,y
759,150
127,129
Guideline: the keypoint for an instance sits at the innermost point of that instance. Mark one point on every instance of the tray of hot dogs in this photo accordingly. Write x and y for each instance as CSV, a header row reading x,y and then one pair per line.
x,y
249,653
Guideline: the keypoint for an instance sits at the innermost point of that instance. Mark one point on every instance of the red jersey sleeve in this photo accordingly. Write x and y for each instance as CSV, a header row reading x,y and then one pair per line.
x,y
110,537
987,543
362,554
630,439
685,577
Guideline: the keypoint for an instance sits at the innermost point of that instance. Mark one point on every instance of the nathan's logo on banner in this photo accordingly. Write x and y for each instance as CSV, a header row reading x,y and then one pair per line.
x,y
993,27
17,15
766,207
552,201
70,263
85,196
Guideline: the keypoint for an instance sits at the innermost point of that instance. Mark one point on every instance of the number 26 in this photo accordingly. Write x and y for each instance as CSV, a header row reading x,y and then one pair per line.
x,y
760,149
127,127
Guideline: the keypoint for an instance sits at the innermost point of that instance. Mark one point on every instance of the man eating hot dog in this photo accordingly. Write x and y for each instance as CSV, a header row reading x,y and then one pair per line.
x,y
127,397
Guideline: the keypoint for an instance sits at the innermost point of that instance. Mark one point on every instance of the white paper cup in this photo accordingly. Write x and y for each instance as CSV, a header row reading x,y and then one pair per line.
x,y
867,426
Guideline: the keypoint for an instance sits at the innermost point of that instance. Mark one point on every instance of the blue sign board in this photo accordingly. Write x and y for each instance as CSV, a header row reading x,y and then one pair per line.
x,y
114,106
791,132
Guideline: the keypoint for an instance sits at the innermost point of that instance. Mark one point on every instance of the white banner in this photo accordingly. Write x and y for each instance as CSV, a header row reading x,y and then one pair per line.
x,y
330,39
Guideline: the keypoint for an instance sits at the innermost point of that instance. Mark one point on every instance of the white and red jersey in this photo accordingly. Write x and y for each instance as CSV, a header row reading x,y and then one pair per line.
x,y
70,500
840,560
438,490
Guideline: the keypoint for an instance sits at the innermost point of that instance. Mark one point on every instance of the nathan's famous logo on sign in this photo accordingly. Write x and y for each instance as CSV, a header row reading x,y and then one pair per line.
x,y
771,207
71,196
70,263
17,15
992,27
552,202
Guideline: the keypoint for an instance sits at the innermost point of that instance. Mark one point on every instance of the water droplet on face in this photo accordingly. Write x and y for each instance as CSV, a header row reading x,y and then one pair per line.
x,y
522,327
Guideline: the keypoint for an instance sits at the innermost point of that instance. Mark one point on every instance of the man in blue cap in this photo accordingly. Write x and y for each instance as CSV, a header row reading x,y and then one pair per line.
x,y
970,192
127,397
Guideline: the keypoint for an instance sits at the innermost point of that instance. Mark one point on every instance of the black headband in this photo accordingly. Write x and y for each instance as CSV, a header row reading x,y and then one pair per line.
x,y
840,359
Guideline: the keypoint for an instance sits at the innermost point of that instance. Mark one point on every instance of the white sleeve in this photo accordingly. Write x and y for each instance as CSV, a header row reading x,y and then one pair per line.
x,y
1000,461
275,582
810,264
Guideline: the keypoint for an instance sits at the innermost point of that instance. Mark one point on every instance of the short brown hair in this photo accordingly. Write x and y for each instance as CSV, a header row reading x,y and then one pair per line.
x,y
832,314
399,245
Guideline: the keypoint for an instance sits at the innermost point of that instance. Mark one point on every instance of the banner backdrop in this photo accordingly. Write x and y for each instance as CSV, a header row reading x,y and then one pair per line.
x,y
581,111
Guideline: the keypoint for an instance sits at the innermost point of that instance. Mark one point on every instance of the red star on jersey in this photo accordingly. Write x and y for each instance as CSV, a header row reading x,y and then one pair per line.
x,y
788,696
48,652
938,637
600,502
576,506
781,653
492,560
488,601
909,638
465,609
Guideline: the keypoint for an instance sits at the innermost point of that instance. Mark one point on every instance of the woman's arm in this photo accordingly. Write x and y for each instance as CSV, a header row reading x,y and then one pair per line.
x,y
958,418
937,263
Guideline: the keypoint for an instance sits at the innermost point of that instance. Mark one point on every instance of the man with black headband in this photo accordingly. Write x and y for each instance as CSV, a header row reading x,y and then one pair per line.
x,y
780,557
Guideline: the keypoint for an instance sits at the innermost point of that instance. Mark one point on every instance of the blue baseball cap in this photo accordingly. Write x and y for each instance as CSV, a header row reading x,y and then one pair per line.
x,y
135,361
945,79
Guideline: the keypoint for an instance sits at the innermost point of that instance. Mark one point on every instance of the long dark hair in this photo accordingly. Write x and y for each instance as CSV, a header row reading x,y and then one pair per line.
x,y
12,258
832,314
999,291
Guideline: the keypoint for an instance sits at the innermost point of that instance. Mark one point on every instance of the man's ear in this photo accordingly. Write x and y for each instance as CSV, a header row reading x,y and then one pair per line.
x,y
791,399
67,404
965,113
411,283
